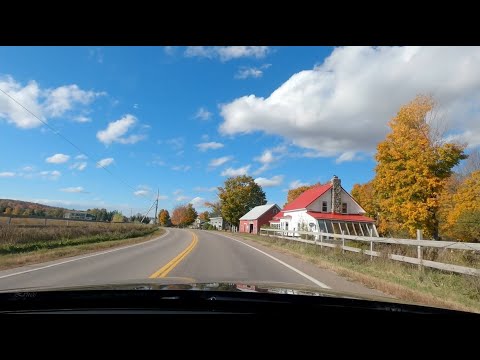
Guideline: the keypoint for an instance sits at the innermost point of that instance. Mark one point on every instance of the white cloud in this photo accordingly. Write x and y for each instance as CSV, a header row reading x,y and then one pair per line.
x,y
28,168
209,146
76,189
245,72
182,198
203,114
116,130
50,175
297,183
6,174
58,159
268,157
181,167
344,104
220,161
55,103
81,157
274,181
82,119
236,172
225,53
205,189
141,193
80,166
347,156
198,202
205,137
105,162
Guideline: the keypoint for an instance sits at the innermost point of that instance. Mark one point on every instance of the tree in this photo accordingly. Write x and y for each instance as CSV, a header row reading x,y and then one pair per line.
x,y
118,218
216,207
17,210
296,192
239,195
413,165
164,218
183,215
8,211
204,216
365,196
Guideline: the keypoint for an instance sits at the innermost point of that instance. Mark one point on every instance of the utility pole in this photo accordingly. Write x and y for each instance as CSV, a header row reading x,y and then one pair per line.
x,y
156,207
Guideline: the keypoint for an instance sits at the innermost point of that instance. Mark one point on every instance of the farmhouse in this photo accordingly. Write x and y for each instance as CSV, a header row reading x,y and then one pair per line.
x,y
327,208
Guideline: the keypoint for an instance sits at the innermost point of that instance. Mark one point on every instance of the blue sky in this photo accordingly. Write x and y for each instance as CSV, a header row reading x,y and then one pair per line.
x,y
184,118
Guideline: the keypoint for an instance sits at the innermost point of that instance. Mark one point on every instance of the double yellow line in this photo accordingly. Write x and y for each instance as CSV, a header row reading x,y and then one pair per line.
x,y
163,271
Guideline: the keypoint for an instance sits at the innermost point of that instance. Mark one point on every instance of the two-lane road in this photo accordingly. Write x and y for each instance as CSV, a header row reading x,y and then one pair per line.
x,y
200,256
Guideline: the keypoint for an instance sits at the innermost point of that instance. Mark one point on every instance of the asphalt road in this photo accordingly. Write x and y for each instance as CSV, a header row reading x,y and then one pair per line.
x,y
197,255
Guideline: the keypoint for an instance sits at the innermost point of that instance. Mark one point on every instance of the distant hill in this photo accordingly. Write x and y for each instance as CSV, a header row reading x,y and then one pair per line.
x,y
26,208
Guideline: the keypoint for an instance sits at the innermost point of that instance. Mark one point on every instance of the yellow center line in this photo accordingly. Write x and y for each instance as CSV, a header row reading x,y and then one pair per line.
x,y
164,270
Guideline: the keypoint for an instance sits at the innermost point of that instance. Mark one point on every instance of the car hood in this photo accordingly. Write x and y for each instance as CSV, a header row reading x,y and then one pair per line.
x,y
177,283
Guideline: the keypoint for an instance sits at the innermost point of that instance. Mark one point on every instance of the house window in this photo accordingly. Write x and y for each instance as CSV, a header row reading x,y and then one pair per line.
x,y
344,208
274,211
324,206
286,226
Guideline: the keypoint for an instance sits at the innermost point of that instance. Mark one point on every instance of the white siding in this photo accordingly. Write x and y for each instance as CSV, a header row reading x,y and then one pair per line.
x,y
352,206
298,217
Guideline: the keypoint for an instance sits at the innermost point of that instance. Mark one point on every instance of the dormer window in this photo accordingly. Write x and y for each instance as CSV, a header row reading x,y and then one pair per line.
x,y
324,206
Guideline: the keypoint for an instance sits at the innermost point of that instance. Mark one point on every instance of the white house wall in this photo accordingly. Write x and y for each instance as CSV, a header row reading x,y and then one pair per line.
x,y
352,206
298,218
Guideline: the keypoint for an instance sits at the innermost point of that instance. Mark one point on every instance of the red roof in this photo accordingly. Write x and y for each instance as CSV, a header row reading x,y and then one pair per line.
x,y
280,215
341,217
307,197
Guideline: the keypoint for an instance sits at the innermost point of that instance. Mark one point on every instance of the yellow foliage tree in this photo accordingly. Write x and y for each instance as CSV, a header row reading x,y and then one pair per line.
x,y
413,165
365,196
460,210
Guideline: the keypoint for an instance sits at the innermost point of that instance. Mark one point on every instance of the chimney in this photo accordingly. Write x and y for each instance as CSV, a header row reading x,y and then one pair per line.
x,y
336,194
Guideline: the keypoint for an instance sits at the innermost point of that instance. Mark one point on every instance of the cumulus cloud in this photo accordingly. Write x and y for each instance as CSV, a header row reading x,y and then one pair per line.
x,y
297,183
58,159
143,190
50,175
80,166
268,157
236,172
343,105
105,162
274,181
226,53
220,161
116,131
245,72
203,114
76,189
7,174
58,102
209,146
82,119
197,202
81,157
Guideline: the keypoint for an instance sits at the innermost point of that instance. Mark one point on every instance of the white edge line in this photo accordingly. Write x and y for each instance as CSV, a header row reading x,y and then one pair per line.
x,y
312,279
83,257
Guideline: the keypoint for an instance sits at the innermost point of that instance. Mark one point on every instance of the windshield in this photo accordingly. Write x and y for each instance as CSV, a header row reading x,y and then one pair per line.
x,y
354,170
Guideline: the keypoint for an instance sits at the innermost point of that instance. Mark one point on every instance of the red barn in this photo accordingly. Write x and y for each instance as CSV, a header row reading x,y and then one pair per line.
x,y
252,221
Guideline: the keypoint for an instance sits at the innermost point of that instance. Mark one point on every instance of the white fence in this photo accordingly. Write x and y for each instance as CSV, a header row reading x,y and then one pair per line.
x,y
338,241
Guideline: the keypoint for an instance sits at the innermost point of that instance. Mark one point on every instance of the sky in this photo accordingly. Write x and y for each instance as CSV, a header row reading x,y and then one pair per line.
x,y
118,123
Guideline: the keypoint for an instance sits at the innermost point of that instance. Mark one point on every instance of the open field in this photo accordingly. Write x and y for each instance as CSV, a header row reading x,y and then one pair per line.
x,y
403,281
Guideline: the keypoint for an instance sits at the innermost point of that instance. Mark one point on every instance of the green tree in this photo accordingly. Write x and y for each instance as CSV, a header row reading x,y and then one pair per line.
x,y
164,218
413,165
118,218
239,195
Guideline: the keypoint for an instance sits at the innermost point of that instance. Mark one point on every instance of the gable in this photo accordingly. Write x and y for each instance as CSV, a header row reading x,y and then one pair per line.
x,y
352,206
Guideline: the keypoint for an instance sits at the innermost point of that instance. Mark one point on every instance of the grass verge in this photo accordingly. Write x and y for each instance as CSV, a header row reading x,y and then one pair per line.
x,y
72,248
403,281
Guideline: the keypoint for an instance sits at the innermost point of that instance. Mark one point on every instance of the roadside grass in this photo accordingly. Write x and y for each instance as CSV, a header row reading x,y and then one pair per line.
x,y
25,253
404,281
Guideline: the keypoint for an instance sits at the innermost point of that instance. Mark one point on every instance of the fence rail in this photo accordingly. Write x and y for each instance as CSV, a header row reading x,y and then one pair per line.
x,y
338,241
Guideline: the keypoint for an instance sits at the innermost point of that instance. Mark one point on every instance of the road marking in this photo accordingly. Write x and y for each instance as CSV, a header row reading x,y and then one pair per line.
x,y
164,270
312,279
83,257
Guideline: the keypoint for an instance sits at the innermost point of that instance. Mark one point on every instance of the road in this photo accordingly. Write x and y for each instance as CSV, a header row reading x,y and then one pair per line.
x,y
200,256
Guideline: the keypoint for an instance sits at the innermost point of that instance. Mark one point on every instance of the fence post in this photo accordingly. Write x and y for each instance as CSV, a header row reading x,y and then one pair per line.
x,y
67,223
321,240
9,220
45,222
343,241
371,245
419,248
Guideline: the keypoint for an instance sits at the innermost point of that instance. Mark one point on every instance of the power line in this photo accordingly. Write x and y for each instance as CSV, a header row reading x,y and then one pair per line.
x,y
56,132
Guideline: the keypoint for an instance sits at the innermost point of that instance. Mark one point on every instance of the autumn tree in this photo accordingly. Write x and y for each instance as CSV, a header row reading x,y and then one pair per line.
x,y
183,215
413,165
164,218
365,196
118,218
216,207
204,216
239,195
